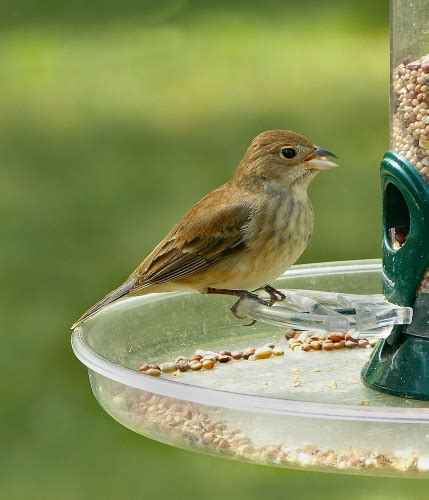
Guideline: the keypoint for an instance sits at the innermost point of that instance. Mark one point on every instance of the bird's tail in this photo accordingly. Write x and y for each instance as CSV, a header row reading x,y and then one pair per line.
x,y
108,299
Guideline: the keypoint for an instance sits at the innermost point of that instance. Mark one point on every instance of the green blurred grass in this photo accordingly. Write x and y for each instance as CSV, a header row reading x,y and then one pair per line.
x,y
114,119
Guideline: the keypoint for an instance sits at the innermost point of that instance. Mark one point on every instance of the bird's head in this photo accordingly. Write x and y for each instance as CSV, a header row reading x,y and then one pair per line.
x,y
281,158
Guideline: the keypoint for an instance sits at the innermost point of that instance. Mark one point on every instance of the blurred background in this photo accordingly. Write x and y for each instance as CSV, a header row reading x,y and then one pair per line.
x,y
115,117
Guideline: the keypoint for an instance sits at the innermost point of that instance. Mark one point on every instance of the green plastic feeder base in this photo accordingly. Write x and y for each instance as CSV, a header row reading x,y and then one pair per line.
x,y
400,364
400,370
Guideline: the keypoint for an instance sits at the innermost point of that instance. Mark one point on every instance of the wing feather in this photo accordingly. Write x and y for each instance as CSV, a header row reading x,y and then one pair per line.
x,y
203,237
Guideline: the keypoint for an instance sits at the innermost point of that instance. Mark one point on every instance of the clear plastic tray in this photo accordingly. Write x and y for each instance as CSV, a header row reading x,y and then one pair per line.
x,y
252,410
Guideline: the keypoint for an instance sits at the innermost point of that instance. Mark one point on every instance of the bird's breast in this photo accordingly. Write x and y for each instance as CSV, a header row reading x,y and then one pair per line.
x,y
275,237
278,234
284,221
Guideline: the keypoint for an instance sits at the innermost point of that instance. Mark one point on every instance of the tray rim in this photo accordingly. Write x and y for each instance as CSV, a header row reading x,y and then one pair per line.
x,y
246,402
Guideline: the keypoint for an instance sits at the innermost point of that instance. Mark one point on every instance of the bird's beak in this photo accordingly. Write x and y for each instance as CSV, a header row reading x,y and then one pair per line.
x,y
318,159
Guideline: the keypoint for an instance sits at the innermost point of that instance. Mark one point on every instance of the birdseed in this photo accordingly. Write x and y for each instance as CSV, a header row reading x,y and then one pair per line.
x,y
186,425
263,352
304,341
168,367
410,121
410,128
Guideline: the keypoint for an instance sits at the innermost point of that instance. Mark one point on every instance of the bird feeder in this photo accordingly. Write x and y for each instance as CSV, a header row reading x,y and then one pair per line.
x,y
400,364
178,368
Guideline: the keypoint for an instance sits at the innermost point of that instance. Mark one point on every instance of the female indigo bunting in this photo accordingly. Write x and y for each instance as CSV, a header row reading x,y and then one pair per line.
x,y
242,235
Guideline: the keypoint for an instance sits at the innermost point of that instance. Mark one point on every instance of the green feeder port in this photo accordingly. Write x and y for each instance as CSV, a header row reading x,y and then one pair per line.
x,y
400,363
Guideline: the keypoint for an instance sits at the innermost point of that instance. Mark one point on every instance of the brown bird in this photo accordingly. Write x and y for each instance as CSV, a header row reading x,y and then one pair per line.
x,y
242,235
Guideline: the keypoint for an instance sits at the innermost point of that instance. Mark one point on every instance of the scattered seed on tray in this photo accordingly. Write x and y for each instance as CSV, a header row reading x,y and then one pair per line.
x,y
263,352
154,372
304,341
308,341
168,367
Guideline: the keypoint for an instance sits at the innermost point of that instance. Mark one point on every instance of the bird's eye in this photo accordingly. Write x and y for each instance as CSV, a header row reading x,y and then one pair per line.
x,y
288,153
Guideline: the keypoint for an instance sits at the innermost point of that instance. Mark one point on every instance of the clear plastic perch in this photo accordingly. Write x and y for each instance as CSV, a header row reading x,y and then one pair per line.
x,y
360,315
299,409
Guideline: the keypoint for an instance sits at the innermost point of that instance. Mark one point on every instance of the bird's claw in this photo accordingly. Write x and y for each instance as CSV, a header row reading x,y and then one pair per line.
x,y
275,295
247,295
234,310
251,323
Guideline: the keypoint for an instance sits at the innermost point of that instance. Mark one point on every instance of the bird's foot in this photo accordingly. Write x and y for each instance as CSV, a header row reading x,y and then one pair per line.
x,y
275,295
242,294
247,295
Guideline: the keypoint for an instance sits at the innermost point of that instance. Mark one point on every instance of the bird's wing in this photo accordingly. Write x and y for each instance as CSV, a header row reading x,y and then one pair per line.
x,y
208,233
214,228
